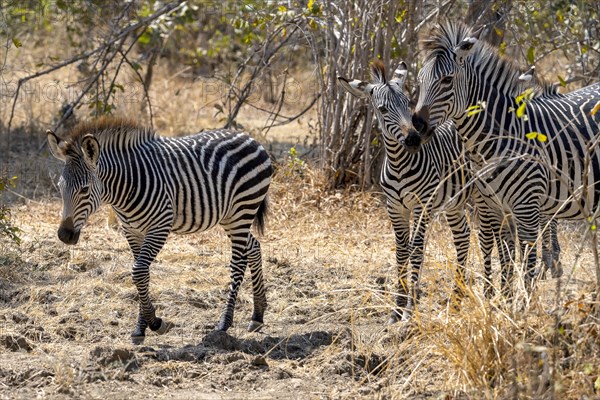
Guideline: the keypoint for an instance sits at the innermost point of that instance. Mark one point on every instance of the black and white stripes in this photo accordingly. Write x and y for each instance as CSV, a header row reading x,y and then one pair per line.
x,y
531,179
416,184
159,185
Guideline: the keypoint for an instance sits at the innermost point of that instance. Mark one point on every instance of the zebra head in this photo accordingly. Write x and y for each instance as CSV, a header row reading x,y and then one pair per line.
x,y
80,187
446,75
390,101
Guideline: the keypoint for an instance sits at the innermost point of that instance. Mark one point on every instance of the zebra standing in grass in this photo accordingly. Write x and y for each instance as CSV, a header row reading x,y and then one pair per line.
x,y
416,183
557,178
159,185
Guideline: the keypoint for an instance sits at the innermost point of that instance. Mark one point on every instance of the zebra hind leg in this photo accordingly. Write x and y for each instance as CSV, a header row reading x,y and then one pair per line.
x,y
239,242
550,250
505,243
258,285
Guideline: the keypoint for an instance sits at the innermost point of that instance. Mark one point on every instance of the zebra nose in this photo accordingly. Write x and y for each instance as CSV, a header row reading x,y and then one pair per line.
x,y
412,141
67,233
420,123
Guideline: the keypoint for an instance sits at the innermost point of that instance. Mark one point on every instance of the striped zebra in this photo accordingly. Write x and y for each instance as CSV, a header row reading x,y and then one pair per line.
x,y
416,183
158,185
532,179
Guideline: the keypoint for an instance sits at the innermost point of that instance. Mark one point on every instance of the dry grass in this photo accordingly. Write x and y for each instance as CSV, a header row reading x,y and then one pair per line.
x,y
329,264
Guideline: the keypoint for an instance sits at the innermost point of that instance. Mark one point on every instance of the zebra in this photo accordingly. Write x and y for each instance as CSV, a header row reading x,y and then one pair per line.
x,y
532,179
416,183
449,180
157,185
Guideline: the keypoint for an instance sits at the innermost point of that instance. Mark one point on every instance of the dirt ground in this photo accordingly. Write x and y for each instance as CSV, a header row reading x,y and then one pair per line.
x,y
66,313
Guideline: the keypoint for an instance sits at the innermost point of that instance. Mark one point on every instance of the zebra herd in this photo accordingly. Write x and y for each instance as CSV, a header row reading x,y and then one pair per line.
x,y
523,171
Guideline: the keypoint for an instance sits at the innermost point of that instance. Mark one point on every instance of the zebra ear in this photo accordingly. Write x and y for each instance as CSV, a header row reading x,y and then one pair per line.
x,y
56,145
464,48
528,75
400,74
91,150
355,87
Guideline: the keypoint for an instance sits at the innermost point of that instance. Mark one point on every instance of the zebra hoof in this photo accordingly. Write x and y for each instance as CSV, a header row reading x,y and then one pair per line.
x,y
255,326
394,318
137,340
557,271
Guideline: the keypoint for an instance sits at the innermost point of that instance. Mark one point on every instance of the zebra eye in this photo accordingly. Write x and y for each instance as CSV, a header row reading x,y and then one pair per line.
x,y
447,79
84,189
382,109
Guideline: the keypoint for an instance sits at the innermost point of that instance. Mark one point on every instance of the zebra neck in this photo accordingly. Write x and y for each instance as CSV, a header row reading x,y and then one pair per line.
x,y
397,156
119,177
493,131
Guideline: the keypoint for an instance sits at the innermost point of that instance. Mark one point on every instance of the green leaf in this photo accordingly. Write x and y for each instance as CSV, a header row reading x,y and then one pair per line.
x,y
597,384
526,95
402,16
588,369
146,37
521,110
313,7
502,49
476,109
531,55
536,135
561,81
17,42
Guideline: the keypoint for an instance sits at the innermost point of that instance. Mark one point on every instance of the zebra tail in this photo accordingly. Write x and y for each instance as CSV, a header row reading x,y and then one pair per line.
x,y
261,216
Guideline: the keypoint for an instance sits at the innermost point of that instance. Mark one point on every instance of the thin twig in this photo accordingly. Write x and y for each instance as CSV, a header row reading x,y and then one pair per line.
x,y
273,116
135,71
118,69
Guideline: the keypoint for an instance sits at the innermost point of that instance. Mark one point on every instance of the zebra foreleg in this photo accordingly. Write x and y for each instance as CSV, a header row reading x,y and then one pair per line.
x,y
239,242
556,266
486,243
403,251
421,221
258,284
153,243
461,235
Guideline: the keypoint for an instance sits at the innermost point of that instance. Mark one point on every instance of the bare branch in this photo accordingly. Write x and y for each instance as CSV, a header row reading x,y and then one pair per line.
x,y
120,36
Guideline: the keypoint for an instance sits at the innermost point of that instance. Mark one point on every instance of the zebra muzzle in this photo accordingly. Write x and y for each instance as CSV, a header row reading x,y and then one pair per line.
x,y
67,233
412,142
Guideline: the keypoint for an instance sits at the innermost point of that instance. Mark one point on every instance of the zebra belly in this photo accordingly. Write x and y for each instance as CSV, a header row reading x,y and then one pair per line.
x,y
196,210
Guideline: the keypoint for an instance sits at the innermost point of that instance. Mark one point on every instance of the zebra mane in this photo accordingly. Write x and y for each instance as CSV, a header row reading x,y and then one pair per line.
x,y
442,39
126,132
378,72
